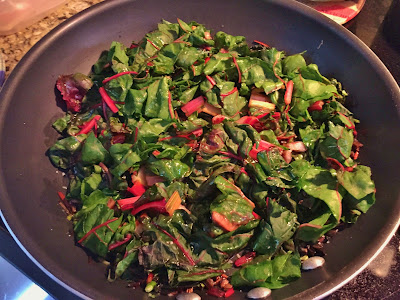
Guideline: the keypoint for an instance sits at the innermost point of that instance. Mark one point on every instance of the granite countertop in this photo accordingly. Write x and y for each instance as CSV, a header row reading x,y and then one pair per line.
x,y
381,280
14,46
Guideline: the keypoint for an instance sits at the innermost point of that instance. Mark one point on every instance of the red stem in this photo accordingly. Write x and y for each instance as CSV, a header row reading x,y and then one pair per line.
x,y
106,171
136,135
238,69
261,43
211,80
137,189
288,119
316,106
93,230
229,93
89,125
127,203
245,259
193,70
229,293
218,119
119,243
153,44
159,205
193,105
107,99
150,277
352,126
310,225
335,161
118,75
133,45
283,138
289,92
231,155
276,115
214,291
64,203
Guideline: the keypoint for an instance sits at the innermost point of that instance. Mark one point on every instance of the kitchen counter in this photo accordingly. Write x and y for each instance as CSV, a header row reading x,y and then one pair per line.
x,y
381,280
14,46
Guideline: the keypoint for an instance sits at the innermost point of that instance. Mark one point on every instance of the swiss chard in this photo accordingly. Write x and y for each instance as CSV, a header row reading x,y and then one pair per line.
x,y
186,151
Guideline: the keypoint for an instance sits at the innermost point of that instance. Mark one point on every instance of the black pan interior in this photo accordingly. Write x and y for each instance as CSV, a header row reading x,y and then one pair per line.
x,y
28,182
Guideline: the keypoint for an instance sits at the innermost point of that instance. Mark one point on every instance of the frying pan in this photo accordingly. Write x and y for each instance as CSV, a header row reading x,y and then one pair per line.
x,y
28,181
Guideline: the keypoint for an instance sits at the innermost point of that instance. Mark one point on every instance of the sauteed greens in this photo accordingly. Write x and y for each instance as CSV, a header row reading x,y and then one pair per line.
x,y
193,156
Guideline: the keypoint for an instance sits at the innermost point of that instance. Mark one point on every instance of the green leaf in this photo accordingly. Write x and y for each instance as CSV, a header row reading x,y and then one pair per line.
x,y
308,89
170,169
230,42
272,274
239,137
118,88
313,230
293,63
358,182
93,151
95,198
149,131
197,274
338,143
185,27
62,123
283,221
134,102
363,204
168,247
131,256
320,183
219,62
310,135
311,72
236,210
90,183
254,70
157,100
97,241
118,57
265,242
188,94
124,156
236,240
62,150
188,57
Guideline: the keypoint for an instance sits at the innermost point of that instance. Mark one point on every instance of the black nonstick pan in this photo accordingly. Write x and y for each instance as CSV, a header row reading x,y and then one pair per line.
x,y
28,181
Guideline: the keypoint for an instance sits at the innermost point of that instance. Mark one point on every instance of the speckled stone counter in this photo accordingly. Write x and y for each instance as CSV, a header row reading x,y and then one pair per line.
x,y
14,46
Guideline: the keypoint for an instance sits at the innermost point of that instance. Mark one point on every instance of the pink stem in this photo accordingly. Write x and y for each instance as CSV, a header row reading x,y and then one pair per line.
x,y
118,75
119,243
93,230
107,99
